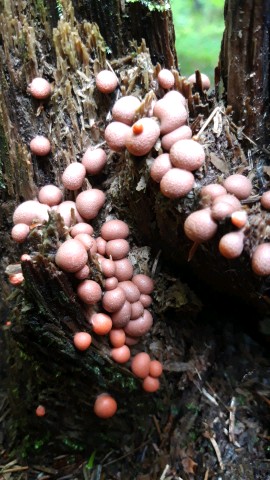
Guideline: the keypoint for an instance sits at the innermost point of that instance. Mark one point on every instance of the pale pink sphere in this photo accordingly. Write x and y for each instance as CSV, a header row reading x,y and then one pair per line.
x,y
239,218
146,300
94,160
140,364
81,227
107,267
89,292
137,310
101,245
82,340
130,341
265,200
121,317
187,154
260,261
111,283
101,323
68,212
31,211
131,290
117,249
74,176
115,135
181,133
205,80
160,166
176,183
144,283
123,269
124,109
151,384
199,226
106,81
40,88
40,146
231,244
155,369
89,203
166,79
71,256
114,229
238,185
20,232
209,192
50,195
139,327
88,242
141,143
120,354
117,337
83,273
223,206
171,112
113,300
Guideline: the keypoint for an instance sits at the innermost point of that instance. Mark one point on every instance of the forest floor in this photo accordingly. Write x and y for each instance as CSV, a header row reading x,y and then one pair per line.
x,y
214,422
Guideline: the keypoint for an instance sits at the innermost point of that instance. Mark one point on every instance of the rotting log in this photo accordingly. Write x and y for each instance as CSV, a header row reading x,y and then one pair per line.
x,y
58,42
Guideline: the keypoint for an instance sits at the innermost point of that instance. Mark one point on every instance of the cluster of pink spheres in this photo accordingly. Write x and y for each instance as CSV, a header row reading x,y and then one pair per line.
x,y
119,307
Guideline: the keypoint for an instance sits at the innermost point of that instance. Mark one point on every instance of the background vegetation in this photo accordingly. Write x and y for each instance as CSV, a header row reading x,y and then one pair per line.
x,y
199,26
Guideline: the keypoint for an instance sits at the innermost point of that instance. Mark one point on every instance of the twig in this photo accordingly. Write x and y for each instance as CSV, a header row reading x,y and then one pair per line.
x,y
206,123
207,395
165,471
232,420
216,448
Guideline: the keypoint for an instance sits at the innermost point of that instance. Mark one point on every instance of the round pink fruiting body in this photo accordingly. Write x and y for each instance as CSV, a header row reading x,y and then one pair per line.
x,y
199,226
113,300
265,200
181,133
81,227
260,261
68,212
82,340
187,154
121,317
155,369
171,112
25,257
89,203
150,384
117,249
117,337
145,300
238,185
83,273
123,269
176,183
16,279
223,206
106,81
239,218
114,229
205,80
20,232
40,411
94,160
89,292
124,109
29,212
111,283
121,354
101,245
130,341
71,256
115,135
40,146
74,176
160,166
144,283
101,323
140,144
105,406
137,310
88,242
140,365
139,327
231,244
209,192
131,290
166,79
40,88
107,267
50,195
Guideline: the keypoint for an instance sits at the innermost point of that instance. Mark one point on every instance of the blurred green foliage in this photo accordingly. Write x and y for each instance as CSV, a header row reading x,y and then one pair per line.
x,y
199,25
